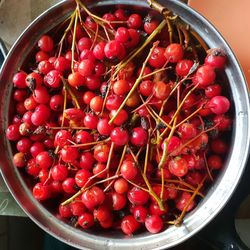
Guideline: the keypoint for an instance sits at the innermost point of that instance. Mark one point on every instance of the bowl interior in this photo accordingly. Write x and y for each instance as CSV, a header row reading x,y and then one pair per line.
x,y
217,195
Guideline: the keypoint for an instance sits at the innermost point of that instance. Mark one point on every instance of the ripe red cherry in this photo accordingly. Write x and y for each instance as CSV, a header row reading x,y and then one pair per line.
x,y
213,90
98,50
62,138
19,80
178,166
40,115
161,90
150,25
44,67
86,67
129,170
87,97
183,67
187,131
86,220
138,196
12,132
69,186
103,127
77,208
100,170
122,35
96,104
84,43
23,145
139,137
120,118
134,21
118,201
146,88
216,58
113,102
102,213
174,52
204,76
87,160
41,192
157,58
101,152
69,154
41,56
90,121
219,105
53,79
93,197
41,95
121,87
219,146
46,43
76,79
214,162
56,102
140,213
33,80
183,201
114,49
121,186
119,136
82,177
129,225
59,172
44,160
19,160
154,224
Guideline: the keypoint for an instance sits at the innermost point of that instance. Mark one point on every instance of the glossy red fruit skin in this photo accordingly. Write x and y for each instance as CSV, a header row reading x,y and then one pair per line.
x,y
183,200
114,49
154,224
183,67
178,167
139,137
86,67
129,225
46,43
204,76
138,196
19,80
157,58
82,177
119,136
219,105
41,192
129,170
12,132
86,220
216,58
174,52
59,172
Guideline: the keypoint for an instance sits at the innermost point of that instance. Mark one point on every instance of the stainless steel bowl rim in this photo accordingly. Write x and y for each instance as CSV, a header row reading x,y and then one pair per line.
x,y
217,196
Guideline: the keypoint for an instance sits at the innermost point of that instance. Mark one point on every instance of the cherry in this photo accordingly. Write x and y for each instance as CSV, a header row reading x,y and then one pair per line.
x,y
23,145
118,201
146,88
41,192
41,95
129,170
86,220
61,64
40,115
183,67
213,90
44,160
69,154
122,35
134,21
139,137
33,80
216,58
183,201
93,197
46,43
87,97
84,43
36,148
93,82
114,50
19,80
20,95
56,102
65,211
77,208
76,79
161,90
53,79
140,213
82,177
154,223
87,160
12,132
86,67
90,121
157,58
41,56
218,146
113,102
138,196
62,138
121,15
119,136
100,170
59,172
129,225
223,122
204,76
178,166
98,50
44,67
187,131
32,168
103,127
83,137
102,213
120,118
219,105
96,104
69,185
19,160
156,210
214,162
174,52
150,25
101,152
121,186
121,87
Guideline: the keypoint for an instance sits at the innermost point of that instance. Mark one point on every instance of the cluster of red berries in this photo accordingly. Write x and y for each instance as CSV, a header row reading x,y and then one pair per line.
x,y
120,143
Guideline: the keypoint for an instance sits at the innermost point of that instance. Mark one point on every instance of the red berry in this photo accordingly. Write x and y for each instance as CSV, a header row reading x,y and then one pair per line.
x,y
119,136
129,225
154,224
174,53
46,43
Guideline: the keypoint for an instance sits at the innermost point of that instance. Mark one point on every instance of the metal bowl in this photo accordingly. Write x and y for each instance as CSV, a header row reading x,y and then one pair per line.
x,y
218,194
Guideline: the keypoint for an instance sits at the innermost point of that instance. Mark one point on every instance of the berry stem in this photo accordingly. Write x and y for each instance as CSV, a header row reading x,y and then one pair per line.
x,y
135,84
74,38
